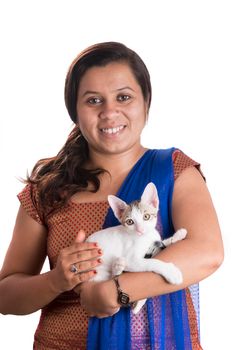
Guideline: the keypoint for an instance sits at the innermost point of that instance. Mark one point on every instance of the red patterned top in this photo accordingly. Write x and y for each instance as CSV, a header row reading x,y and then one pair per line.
x,y
63,323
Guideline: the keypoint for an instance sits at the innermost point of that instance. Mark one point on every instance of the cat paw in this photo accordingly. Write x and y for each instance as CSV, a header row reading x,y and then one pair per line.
x,y
173,275
179,235
118,266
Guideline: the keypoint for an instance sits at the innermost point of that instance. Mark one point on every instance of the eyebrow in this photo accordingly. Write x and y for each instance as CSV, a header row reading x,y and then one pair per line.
x,y
90,92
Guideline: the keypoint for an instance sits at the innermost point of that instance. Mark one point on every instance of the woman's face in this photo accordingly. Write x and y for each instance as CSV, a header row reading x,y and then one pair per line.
x,y
111,109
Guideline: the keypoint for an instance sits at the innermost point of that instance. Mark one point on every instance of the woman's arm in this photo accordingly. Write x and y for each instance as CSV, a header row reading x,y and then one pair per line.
x,y
198,256
22,289
200,253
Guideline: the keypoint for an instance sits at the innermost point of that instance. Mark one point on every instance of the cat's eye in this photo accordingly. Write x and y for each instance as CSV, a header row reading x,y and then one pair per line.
x,y
129,222
146,217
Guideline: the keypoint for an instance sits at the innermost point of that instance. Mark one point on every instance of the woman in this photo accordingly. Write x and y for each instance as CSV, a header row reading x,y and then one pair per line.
x,y
108,95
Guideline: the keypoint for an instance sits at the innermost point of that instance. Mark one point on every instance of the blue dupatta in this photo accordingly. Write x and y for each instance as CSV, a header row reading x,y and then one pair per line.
x,y
115,332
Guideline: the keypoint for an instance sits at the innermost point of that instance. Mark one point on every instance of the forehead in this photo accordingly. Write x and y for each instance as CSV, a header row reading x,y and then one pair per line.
x,y
113,76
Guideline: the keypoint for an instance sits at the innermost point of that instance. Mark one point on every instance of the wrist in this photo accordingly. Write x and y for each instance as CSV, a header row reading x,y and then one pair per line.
x,y
123,298
109,293
53,283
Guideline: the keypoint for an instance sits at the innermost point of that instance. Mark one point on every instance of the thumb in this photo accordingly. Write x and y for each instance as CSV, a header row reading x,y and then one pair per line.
x,y
81,236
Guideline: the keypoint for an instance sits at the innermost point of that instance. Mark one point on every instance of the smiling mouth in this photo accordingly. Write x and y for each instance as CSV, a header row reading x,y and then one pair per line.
x,y
112,130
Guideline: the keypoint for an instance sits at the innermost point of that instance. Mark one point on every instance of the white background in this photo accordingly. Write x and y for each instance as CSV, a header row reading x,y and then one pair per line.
x,y
188,48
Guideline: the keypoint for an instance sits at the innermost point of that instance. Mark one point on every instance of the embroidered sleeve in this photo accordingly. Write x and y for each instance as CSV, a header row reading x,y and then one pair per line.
x,y
28,198
181,162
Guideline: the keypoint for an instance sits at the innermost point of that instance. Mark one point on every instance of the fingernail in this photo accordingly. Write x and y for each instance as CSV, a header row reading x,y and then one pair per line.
x,y
99,251
99,260
95,272
95,244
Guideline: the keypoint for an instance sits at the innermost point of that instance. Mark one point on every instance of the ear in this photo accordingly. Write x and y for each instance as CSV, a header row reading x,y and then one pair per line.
x,y
150,195
117,205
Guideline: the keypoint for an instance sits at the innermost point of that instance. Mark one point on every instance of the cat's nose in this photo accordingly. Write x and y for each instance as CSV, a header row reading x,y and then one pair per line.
x,y
140,230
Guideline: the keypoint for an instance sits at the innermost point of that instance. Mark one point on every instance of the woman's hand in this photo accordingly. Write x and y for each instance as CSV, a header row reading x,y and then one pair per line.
x,y
98,298
81,255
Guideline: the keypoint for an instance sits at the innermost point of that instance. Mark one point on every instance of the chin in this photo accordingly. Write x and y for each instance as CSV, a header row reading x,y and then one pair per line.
x,y
115,149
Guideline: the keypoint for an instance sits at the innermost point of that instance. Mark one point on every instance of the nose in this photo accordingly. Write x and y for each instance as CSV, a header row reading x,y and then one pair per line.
x,y
140,229
109,110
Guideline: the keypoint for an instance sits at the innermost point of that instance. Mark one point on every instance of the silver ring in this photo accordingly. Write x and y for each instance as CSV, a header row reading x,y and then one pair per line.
x,y
74,269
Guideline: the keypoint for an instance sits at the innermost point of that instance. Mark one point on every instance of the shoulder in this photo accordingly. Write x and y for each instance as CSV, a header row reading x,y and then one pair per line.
x,y
182,161
175,160
29,199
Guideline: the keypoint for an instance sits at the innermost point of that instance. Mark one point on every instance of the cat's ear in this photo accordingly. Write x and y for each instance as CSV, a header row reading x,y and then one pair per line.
x,y
117,205
150,195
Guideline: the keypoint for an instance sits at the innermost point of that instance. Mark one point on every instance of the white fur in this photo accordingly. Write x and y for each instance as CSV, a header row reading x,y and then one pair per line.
x,y
124,247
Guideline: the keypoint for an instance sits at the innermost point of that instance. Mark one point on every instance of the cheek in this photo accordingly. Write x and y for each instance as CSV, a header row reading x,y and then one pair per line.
x,y
83,114
151,223
137,112
130,227
84,120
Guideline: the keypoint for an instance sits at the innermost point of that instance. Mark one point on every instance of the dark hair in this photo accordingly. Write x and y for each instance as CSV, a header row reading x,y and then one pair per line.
x,y
59,177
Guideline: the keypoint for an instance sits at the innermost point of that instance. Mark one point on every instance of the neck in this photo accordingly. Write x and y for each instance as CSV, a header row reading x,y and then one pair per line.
x,y
116,163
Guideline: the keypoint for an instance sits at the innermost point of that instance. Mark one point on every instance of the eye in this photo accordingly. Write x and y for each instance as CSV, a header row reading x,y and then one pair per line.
x,y
146,217
129,222
123,98
94,100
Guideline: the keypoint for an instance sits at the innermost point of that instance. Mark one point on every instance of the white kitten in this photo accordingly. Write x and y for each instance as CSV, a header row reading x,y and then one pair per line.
x,y
128,246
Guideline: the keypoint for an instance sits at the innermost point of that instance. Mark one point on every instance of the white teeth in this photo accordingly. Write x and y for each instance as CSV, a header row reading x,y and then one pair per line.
x,y
112,130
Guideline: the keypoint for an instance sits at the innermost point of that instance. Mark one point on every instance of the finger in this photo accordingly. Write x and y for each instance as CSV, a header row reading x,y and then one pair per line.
x,y
87,265
85,255
81,236
84,276
81,256
77,247
85,246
